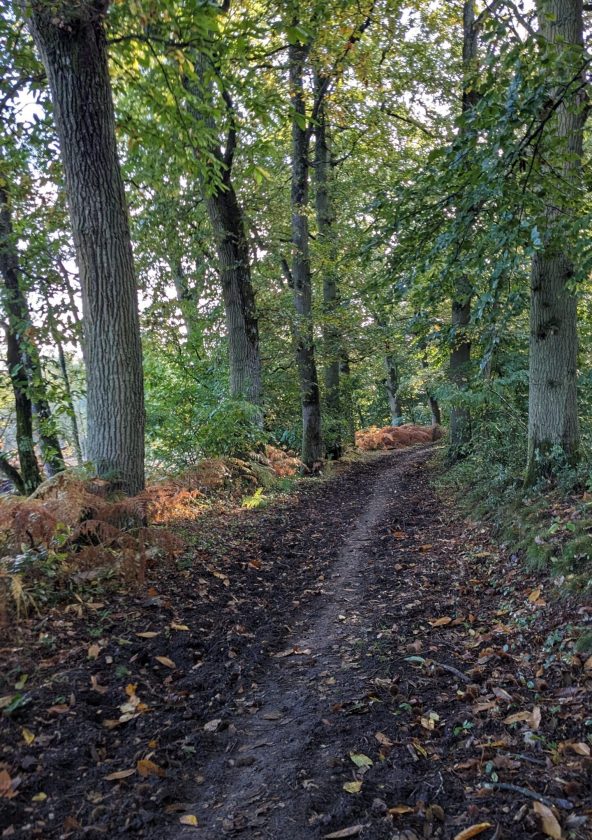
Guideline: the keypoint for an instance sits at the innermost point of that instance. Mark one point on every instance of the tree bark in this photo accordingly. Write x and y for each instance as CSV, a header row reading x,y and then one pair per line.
x,y
347,401
460,356
392,389
12,474
17,370
242,325
326,236
228,226
70,37
312,439
20,325
552,404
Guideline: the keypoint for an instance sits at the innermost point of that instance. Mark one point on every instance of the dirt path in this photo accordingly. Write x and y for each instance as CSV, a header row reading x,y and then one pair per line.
x,y
264,778
357,661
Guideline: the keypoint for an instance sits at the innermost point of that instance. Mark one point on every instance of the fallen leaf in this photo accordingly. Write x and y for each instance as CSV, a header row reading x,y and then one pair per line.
x,y
120,774
94,684
179,626
401,809
352,831
361,760
472,831
28,736
59,709
580,749
353,787
212,725
383,739
7,785
587,664
93,651
39,797
548,820
164,660
440,622
534,595
188,819
148,634
145,767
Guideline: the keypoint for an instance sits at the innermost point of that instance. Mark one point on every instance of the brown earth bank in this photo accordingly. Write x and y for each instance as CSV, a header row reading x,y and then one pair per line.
x,y
355,661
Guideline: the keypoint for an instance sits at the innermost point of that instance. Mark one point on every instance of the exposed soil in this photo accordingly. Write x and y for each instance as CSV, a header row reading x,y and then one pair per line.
x,y
357,634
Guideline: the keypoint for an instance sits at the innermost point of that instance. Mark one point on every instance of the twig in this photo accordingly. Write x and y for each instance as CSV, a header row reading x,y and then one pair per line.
x,y
451,669
531,794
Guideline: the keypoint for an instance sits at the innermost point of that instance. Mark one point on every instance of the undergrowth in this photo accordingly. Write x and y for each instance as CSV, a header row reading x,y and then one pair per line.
x,y
549,525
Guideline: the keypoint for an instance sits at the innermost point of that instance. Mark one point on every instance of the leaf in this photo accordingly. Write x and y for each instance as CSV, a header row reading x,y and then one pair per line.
x,y
472,831
28,736
212,725
179,626
39,797
397,810
549,823
352,831
441,622
588,664
6,785
93,651
383,739
189,819
164,660
532,718
58,709
145,768
580,749
148,634
353,787
534,595
361,760
120,774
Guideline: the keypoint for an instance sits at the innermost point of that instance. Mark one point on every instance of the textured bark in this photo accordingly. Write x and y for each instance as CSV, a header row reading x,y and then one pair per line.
x,y
12,474
392,389
55,334
188,299
20,326
347,400
227,222
237,291
552,405
71,40
326,233
460,356
14,326
312,439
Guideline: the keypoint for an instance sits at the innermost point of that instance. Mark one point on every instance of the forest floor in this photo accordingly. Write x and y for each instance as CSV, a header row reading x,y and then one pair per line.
x,y
355,660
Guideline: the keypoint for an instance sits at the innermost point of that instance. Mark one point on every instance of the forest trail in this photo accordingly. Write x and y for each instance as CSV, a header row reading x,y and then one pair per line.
x,y
276,759
356,660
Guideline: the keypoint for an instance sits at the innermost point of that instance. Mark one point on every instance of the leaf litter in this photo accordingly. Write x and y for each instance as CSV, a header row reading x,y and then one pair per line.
x,y
460,706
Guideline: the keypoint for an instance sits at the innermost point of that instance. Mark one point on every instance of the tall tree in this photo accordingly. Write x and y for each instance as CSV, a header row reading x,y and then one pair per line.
x,y
30,476
301,279
228,226
70,37
552,404
460,356
326,234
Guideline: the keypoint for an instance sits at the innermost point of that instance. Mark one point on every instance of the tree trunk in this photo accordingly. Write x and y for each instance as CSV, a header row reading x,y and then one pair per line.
x,y
12,474
347,401
392,389
55,335
312,440
328,245
552,403
227,221
460,356
71,40
242,326
20,326
188,299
